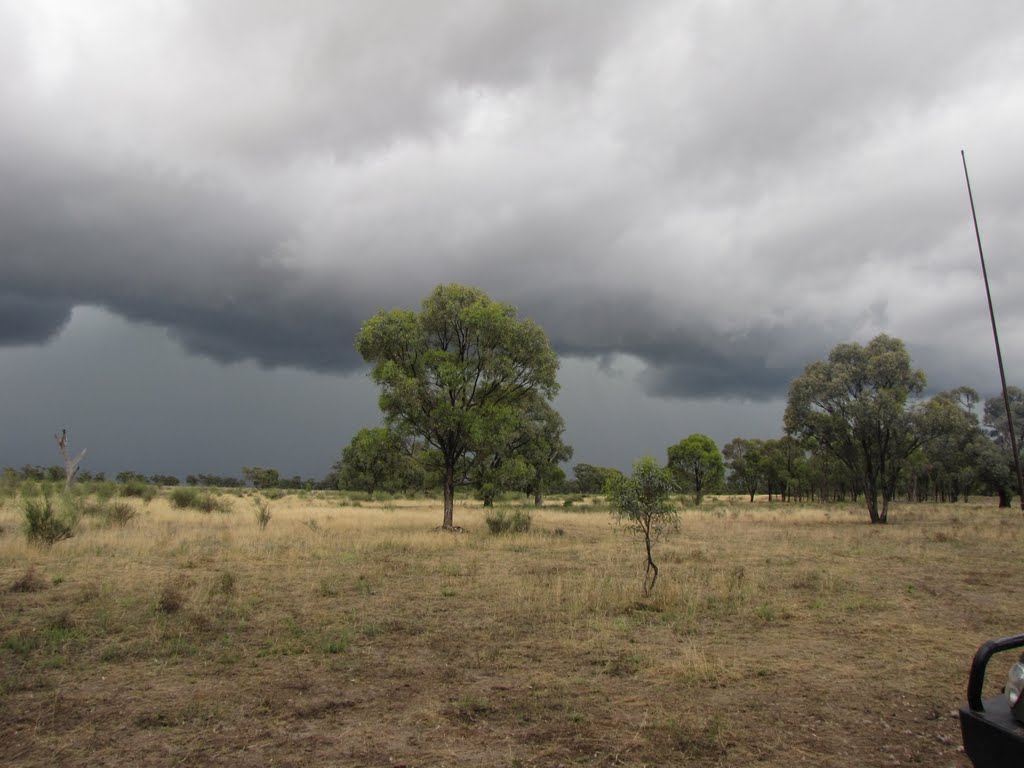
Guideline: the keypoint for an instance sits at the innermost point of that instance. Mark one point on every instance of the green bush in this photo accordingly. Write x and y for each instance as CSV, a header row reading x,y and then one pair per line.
x,y
184,497
208,502
499,521
262,513
30,489
102,489
88,508
139,489
44,523
119,513
8,484
192,498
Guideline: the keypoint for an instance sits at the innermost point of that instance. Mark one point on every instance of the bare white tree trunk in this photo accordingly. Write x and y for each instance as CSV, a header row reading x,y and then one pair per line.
x,y
70,465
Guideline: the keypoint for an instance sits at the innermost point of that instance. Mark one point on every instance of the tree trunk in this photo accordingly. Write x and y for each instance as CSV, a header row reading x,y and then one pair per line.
x,y
883,518
1004,498
538,499
871,500
449,497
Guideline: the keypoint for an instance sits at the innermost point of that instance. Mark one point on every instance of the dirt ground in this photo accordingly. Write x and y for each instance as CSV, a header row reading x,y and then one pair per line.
x,y
353,634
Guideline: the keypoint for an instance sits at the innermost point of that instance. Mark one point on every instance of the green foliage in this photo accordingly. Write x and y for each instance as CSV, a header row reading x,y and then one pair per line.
x,y
45,523
377,459
505,470
855,406
536,448
500,521
455,374
643,503
696,465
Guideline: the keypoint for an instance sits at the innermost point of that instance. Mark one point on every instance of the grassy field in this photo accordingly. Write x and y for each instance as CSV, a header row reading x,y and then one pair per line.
x,y
354,634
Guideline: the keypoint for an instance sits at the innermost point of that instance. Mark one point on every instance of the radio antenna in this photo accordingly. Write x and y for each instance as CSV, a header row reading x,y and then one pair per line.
x,y
995,336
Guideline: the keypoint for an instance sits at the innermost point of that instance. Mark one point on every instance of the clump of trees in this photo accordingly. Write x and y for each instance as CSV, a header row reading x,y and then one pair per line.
x,y
858,426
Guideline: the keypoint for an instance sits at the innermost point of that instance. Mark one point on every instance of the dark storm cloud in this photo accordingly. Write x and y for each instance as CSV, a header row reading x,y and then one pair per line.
x,y
25,320
721,191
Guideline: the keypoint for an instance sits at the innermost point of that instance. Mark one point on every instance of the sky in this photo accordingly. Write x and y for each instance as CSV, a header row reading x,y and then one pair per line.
x,y
201,203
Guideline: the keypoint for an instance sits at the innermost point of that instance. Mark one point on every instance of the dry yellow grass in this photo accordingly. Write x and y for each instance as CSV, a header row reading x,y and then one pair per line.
x,y
359,635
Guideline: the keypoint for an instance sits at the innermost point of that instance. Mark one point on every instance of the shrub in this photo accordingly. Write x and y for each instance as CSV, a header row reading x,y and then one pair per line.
x,y
262,513
273,493
499,521
103,489
119,513
172,596
92,508
30,489
8,484
192,498
31,581
183,497
208,502
45,523
139,489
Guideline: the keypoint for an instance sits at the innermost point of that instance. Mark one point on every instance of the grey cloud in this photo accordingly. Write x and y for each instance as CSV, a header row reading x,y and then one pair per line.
x,y
723,192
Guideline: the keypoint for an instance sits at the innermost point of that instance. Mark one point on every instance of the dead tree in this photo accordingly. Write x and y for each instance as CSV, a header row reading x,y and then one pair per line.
x,y
70,465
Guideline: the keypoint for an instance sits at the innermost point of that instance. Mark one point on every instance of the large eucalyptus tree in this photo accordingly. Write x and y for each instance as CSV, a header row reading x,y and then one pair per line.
x,y
856,405
457,375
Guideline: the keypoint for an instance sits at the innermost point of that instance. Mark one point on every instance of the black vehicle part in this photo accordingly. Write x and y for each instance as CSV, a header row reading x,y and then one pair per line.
x,y
992,737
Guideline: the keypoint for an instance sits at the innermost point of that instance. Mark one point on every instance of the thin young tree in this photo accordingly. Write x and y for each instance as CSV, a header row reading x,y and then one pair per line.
x,y
643,504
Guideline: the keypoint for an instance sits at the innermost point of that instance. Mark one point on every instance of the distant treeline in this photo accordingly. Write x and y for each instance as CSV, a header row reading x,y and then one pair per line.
x,y
260,478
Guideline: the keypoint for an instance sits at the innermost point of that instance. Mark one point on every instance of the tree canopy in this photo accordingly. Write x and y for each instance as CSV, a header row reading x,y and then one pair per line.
x,y
456,375
592,479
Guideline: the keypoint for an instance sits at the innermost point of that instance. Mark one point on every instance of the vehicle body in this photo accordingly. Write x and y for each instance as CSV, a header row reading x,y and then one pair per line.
x,y
993,729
